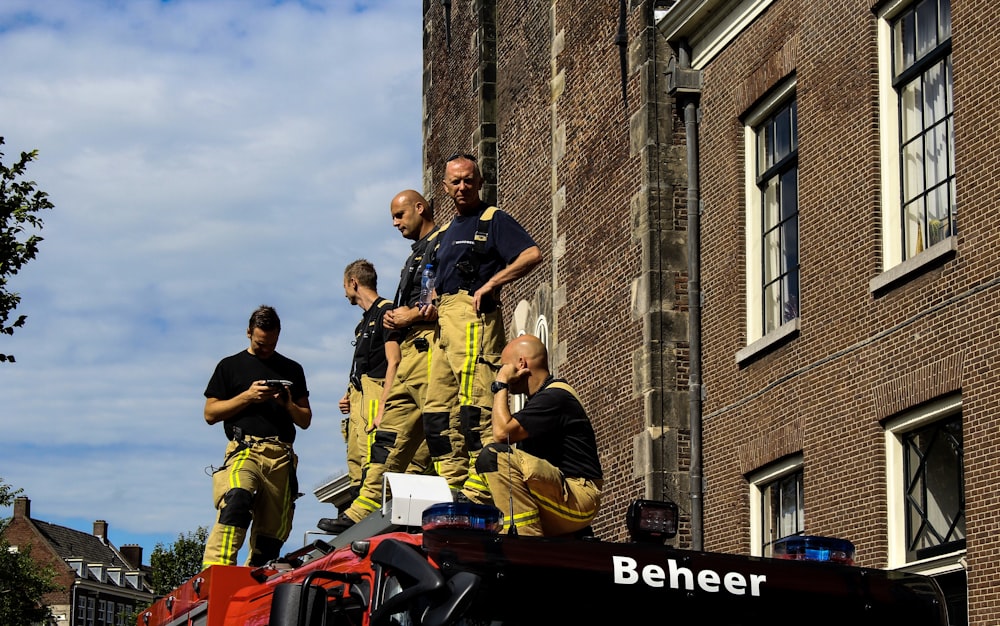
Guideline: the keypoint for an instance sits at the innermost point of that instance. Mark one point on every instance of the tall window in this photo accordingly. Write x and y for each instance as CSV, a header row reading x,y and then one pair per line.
x,y
777,180
935,488
926,485
922,77
772,217
918,147
777,509
81,609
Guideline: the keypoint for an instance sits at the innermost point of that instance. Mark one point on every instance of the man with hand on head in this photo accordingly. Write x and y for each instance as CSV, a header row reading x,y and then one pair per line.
x,y
550,483
260,396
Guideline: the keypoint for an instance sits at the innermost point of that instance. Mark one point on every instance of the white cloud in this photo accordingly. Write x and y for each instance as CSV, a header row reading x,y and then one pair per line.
x,y
204,158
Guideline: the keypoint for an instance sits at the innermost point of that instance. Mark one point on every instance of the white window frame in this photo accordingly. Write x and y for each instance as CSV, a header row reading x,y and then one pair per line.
x,y
759,481
708,27
894,267
756,339
939,409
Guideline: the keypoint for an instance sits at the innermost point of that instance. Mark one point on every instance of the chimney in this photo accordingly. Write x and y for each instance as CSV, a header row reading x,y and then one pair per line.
x,y
101,529
22,507
132,554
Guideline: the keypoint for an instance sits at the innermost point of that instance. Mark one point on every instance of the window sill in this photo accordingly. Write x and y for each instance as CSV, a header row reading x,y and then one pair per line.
x,y
940,564
937,254
769,341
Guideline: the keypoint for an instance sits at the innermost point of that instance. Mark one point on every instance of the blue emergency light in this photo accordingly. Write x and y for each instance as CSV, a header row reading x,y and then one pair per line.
x,y
814,548
464,515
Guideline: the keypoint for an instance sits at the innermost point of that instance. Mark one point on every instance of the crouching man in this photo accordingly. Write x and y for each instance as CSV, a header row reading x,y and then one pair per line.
x,y
550,482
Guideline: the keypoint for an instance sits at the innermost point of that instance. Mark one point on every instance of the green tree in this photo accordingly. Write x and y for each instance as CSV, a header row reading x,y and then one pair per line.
x,y
19,203
22,581
175,565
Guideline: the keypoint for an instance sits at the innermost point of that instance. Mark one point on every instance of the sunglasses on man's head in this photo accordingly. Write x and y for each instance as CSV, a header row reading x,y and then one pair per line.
x,y
459,155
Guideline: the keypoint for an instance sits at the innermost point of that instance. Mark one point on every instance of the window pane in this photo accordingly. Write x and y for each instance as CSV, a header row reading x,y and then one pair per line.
x,y
778,183
935,488
761,163
944,22
914,227
790,300
769,147
935,94
789,195
938,223
772,255
927,27
794,117
782,135
772,207
911,121
913,169
788,494
927,163
947,87
938,162
772,307
782,509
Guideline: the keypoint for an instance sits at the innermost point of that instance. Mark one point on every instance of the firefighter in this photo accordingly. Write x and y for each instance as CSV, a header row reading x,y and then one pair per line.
x,y
481,250
260,396
550,483
374,361
398,442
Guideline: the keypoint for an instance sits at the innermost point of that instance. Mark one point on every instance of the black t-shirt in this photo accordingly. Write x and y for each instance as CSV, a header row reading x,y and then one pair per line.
x,y
560,432
369,342
408,292
234,375
506,239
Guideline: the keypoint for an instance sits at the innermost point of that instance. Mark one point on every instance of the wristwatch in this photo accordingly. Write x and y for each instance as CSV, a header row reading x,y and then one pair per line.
x,y
497,386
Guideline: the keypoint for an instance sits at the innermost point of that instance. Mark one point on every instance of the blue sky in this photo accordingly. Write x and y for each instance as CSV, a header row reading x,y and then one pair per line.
x,y
204,157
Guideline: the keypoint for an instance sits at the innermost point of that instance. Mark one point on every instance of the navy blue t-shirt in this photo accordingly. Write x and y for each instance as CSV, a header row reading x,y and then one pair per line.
x,y
506,239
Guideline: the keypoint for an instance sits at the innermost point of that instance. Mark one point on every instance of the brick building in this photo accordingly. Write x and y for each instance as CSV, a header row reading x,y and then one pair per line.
x,y
100,585
832,372
534,90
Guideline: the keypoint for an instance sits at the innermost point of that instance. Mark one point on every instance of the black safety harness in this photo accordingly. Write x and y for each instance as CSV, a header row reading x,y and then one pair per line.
x,y
468,267
362,342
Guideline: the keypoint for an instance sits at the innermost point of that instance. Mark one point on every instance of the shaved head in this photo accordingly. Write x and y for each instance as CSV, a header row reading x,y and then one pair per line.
x,y
411,214
528,347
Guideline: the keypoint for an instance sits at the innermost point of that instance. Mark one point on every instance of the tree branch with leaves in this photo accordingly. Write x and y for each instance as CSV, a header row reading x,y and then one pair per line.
x,y
20,201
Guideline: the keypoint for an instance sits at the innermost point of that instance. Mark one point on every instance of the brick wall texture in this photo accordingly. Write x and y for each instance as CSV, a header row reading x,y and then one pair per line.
x,y
573,166
601,186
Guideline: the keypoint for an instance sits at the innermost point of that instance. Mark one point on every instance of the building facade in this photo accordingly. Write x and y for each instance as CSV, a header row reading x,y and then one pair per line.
x,y
770,255
100,585
534,91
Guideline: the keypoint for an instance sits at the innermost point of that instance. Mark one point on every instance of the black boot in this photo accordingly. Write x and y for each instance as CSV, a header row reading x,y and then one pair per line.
x,y
335,525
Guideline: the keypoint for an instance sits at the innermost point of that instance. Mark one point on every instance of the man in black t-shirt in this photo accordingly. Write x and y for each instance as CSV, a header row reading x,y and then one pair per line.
x,y
550,482
398,442
374,363
260,396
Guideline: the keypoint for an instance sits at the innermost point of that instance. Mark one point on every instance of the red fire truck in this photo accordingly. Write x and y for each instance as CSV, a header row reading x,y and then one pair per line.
x,y
456,566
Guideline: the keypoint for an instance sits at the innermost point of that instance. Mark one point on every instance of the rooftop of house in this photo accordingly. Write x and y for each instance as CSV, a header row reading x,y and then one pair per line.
x,y
75,544
79,549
